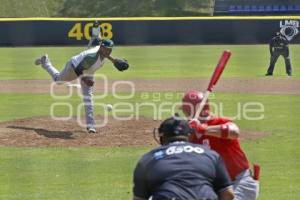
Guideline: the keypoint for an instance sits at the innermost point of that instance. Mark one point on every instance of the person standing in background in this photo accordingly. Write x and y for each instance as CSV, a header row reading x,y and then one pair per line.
x,y
95,34
279,46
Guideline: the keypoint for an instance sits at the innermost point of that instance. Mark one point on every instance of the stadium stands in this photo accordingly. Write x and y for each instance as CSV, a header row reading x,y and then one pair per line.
x,y
256,7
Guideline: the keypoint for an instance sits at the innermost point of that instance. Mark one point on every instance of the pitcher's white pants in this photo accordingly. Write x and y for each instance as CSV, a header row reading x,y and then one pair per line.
x,y
68,74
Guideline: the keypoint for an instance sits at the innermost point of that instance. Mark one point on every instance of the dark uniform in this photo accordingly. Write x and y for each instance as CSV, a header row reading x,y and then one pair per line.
x,y
279,46
180,171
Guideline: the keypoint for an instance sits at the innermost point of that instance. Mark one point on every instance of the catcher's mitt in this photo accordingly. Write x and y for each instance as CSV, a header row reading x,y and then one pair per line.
x,y
121,64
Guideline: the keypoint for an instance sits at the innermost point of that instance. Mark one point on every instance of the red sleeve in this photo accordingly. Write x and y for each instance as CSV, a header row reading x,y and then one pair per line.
x,y
218,121
213,121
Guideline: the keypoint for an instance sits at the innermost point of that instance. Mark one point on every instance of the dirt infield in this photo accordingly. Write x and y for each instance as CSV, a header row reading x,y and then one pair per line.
x,y
46,132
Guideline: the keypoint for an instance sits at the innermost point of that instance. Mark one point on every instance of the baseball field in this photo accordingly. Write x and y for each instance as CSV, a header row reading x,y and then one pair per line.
x,y
46,154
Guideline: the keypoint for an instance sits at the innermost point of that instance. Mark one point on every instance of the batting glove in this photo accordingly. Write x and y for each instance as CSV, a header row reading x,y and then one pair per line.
x,y
198,127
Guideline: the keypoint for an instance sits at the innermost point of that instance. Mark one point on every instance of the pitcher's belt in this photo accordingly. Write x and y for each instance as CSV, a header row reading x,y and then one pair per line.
x,y
78,70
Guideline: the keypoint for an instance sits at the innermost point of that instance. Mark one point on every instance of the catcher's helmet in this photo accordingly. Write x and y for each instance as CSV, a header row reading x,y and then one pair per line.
x,y
107,43
191,101
173,127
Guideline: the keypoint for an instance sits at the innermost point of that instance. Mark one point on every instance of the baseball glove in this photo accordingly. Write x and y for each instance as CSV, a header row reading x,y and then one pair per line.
x,y
121,64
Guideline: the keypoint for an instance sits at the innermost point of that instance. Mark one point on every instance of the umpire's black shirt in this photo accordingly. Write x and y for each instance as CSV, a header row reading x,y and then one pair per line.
x,y
279,43
182,171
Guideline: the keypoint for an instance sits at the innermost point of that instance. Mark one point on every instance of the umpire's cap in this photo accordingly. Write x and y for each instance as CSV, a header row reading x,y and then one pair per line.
x,y
107,43
173,127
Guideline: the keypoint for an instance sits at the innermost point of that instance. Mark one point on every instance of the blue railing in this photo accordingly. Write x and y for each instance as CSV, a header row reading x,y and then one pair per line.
x,y
276,8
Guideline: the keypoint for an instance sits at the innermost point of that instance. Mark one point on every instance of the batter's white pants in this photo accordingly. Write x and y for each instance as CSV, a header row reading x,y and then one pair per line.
x,y
245,187
68,74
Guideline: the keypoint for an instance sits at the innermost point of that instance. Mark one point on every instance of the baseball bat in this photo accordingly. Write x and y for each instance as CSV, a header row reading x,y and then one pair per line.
x,y
213,80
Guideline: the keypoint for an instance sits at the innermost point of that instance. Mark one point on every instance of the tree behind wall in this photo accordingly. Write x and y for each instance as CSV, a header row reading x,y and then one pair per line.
x,y
30,8
104,8
135,8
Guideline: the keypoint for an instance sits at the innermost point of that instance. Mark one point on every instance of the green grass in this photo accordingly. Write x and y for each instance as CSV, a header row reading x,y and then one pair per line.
x,y
46,173
152,61
16,106
106,173
54,173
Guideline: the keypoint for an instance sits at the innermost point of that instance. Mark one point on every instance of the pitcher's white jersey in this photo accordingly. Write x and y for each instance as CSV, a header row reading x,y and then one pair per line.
x,y
89,60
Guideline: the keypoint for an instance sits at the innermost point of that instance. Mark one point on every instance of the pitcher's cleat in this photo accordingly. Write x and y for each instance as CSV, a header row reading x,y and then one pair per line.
x,y
91,130
42,60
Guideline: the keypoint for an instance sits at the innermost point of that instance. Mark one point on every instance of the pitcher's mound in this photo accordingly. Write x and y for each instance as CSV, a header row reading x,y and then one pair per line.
x,y
46,132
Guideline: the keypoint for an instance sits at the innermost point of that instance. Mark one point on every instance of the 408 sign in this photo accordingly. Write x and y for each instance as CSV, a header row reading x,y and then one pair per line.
x,y
79,31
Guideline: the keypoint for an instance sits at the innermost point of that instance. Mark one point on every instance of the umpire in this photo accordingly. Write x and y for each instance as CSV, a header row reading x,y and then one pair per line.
x,y
279,46
179,170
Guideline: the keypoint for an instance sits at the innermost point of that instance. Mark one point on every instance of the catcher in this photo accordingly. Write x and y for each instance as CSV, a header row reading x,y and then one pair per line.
x,y
83,66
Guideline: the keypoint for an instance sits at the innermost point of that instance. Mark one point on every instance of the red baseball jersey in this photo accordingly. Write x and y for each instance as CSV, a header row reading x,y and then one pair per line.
x,y
230,149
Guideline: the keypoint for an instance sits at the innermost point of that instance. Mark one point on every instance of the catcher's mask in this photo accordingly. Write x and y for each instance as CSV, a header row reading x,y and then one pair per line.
x,y
191,101
172,129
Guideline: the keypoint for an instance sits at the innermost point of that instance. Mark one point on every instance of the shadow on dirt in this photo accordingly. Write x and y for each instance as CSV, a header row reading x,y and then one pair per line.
x,y
46,133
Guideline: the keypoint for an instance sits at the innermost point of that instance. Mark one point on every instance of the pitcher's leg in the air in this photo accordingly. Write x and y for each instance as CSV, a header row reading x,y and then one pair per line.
x,y
67,74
